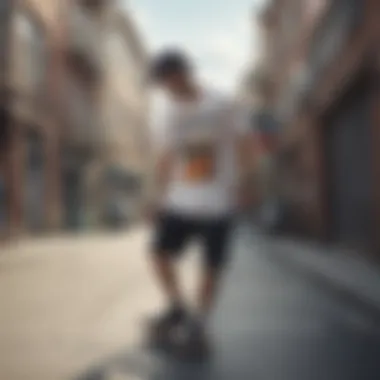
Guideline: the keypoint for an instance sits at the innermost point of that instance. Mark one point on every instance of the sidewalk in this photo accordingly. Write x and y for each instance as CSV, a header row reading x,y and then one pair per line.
x,y
70,301
353,277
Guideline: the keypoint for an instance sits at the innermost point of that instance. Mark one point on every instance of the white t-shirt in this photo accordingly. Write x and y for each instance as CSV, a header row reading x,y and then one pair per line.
x,y
202,137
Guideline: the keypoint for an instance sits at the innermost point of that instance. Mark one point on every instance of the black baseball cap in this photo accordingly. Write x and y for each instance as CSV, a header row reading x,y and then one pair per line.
x,y
168,62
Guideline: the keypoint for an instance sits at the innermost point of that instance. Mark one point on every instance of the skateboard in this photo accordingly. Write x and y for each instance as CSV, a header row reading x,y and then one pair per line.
x,y
158,338
171,341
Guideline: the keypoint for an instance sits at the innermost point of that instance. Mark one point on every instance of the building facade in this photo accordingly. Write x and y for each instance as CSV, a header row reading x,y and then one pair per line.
x,y
125,109
82,140
30,129
73,105
327,96
120,173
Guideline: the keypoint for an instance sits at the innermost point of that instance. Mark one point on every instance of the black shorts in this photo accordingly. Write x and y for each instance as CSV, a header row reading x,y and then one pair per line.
x,y
173,233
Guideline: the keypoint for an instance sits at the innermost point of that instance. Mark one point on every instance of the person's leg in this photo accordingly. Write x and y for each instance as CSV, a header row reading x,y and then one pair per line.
x,y
171,236
164,267
207,291
215,236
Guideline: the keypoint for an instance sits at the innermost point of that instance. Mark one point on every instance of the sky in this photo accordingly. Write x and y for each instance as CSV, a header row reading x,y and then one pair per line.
x,y
220,35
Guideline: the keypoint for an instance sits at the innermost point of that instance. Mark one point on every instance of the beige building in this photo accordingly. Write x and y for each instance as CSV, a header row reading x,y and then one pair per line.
x,y
31,39
124,167
82,147
125,94
72,105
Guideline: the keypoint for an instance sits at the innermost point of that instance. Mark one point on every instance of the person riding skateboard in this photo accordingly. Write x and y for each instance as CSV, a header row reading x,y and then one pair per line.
x,y
201,176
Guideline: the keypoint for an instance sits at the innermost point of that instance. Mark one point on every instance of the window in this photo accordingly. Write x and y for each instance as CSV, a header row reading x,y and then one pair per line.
x,y
31,52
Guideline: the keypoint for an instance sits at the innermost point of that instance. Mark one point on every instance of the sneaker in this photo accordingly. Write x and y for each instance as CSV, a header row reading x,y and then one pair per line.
x,y
193,343
163,327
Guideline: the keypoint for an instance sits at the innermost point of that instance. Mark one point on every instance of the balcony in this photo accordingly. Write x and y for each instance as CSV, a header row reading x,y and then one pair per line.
x,y
83,121
85,39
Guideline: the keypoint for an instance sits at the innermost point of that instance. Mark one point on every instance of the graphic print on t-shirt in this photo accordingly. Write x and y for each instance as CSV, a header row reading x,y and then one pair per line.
x,y
199,161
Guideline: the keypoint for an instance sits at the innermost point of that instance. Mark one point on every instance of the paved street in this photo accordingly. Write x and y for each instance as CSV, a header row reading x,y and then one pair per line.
x,y
72,309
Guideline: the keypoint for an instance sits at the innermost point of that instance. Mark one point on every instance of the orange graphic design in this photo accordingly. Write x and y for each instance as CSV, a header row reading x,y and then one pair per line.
x,y
199,163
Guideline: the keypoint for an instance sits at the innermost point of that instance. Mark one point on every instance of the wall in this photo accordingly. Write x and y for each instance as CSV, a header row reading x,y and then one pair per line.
x,y
125,97
123,105
348,63
30,109
303,129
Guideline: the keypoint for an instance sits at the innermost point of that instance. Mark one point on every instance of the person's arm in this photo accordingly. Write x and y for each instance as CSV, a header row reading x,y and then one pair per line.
x,y
162,163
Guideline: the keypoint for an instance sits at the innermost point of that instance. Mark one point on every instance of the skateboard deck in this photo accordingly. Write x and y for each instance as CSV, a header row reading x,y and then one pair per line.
x,y
167,344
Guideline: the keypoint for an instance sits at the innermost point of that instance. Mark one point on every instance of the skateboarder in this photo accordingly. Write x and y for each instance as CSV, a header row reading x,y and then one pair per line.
x,y
202,170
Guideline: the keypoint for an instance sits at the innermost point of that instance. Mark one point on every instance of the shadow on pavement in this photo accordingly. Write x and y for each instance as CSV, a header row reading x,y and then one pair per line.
x,y
142,365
